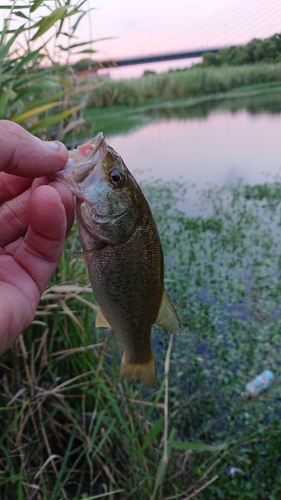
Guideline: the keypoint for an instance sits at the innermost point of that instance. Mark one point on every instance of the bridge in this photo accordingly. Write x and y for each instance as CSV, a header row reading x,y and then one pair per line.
x,y
156,58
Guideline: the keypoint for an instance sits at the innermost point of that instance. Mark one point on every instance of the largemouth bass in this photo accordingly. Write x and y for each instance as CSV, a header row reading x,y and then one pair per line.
x,y
123,253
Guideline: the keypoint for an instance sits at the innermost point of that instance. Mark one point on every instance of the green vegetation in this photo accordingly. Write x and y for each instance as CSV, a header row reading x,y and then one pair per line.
x,y
190,83
267,50
71,430
36,92
257,63
121,119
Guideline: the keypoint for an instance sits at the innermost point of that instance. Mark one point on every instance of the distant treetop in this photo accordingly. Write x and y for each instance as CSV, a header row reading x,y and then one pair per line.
x,y
83,64
267,51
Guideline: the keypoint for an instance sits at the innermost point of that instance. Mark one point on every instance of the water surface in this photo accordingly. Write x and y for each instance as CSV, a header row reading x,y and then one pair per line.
x,y
220,147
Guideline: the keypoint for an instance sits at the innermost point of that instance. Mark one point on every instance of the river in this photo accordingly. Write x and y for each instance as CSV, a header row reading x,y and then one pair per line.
x,y
214,143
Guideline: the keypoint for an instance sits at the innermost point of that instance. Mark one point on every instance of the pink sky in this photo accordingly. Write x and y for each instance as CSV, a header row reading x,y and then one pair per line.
x,y
142,27
146,27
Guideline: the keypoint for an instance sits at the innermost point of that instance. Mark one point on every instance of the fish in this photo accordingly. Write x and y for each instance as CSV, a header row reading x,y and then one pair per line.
x,y
123,253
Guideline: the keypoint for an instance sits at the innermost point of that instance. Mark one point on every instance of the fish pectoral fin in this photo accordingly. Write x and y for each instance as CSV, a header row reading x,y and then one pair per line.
x,y
100,320
167,317
84,253
86,264
81,254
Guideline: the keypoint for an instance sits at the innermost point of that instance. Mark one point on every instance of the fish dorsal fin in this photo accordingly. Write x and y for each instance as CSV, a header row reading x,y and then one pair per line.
x,y
100,320
167,317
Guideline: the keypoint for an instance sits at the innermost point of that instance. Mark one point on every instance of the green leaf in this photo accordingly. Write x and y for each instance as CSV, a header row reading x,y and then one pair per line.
x,y
9,408
8,7
35,111
23,61
187,445
36,104
64,462
48,21
77,7
75,45
103,495
86,51
152,433
4,49
104,438
52,120
20,14
35,5
74,27
6,96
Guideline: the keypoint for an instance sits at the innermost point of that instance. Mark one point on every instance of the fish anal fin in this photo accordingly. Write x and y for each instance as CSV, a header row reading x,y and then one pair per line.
x,y
144,373
167,317
101,322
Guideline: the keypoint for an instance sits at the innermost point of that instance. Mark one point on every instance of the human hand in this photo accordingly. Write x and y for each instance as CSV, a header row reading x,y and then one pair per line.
x,y
35,217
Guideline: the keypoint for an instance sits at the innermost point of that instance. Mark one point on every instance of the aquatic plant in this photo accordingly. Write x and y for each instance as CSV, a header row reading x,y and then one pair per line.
x,y
71,430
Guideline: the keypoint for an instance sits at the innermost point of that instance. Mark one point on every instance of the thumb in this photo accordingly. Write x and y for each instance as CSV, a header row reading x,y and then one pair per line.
x,y
25,155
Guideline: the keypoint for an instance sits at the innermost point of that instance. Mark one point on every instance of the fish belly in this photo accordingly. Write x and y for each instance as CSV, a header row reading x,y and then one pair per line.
x,y
127,281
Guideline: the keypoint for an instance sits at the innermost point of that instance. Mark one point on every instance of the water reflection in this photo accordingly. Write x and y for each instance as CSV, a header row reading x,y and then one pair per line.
x,y
269,103
219,148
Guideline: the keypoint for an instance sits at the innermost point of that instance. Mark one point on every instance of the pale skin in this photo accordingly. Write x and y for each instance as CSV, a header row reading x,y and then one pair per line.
x,y
36,215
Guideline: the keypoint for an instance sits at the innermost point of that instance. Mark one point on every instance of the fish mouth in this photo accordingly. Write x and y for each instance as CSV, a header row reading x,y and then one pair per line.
x,y
87,165
78,168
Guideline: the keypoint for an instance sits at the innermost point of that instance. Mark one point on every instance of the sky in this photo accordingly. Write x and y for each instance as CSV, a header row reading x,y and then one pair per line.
x,y
146,27
126,28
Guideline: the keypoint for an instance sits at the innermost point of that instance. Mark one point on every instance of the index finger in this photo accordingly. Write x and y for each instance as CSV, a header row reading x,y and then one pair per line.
x,y
25,155
11,186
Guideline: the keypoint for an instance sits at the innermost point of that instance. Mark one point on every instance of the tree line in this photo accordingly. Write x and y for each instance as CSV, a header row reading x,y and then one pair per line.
x,y
267,50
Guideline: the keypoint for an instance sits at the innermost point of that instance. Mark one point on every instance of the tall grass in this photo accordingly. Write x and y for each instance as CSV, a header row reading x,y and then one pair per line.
x,y
71,430
37,92
189,83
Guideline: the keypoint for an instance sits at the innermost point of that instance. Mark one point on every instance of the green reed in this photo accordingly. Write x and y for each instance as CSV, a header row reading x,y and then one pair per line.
x,y
190,83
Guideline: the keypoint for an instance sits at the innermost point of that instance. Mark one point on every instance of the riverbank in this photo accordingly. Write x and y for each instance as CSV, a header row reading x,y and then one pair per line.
x,y
119,119
190,83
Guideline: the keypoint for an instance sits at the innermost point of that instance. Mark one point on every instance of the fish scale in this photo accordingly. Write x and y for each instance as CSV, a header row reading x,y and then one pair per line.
x,y
123,251
128,286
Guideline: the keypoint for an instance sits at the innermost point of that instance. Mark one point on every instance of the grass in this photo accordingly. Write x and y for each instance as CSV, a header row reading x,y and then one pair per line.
x,y
122,119
71,430
187,84
38,93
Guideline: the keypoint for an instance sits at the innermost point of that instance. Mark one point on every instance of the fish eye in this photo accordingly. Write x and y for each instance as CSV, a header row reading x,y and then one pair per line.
x,y
117,178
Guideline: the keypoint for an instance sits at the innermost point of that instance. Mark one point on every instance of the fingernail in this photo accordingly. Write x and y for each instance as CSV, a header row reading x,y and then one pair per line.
x,y
52,145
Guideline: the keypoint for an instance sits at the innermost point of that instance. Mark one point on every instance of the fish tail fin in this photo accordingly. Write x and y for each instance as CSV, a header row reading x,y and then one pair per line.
x,y
144,373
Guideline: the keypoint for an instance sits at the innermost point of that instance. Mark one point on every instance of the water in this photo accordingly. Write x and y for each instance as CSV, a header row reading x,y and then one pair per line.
x,y
224,280
219,147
